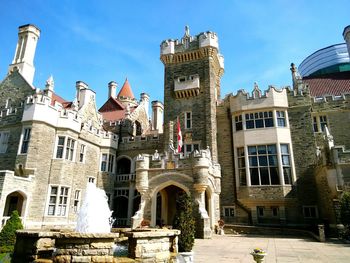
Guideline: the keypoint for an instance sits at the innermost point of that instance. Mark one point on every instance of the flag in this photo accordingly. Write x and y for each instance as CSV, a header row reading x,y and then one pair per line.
x,y
179,136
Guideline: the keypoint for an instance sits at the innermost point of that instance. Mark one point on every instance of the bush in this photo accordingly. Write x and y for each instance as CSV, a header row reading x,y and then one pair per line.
x,y
8,233
345,215
345,209
185,222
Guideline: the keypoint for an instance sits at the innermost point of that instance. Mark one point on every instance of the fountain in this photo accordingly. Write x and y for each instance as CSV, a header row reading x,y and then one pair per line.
x,y
92,240
94,215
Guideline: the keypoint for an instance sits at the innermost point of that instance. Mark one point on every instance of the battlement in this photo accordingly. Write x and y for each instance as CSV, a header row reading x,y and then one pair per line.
x,y
272,97
187,42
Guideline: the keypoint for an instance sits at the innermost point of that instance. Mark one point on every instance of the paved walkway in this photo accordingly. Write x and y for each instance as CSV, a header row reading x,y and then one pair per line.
x,y
235,248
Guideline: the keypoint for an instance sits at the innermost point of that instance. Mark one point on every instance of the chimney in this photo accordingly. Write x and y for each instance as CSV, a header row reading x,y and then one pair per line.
x,y
346,35
28,36
145,100
157,115
112,89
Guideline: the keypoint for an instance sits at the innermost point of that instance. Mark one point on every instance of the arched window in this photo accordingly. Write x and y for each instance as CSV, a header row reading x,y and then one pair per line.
x,y
123,166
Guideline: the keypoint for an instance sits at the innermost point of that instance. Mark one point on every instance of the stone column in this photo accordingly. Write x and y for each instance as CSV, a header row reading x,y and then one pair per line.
x,y
201,174
142,166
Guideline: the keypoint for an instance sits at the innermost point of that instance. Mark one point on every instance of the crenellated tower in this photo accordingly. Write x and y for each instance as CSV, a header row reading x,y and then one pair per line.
x,y
193,69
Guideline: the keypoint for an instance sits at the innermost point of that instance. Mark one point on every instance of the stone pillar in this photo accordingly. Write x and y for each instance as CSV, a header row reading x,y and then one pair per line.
x,y
321,233
142,166
282,211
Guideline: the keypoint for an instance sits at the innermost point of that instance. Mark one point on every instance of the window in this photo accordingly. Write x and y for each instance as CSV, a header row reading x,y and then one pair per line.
x,y
281,118
258,120
241,167
189,148
275,211
111,163
65,148
260,211
60,147
104,162
319,123
287,172
91,179
323,122
238,122
107,163
4,139
76,200
188,120
70,149
229,212
310,211
263,165
58,201
82,153
25,140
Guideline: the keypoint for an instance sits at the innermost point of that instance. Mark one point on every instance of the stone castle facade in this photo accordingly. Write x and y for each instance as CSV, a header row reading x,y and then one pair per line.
x,y
278,157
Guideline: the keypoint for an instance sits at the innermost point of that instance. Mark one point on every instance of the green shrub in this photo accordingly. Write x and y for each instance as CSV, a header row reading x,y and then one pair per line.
x,y
8,233
345,209
185,222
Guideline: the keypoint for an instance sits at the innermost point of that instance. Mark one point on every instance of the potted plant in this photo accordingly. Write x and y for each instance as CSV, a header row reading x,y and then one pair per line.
x,y
258,255
221,224
185,222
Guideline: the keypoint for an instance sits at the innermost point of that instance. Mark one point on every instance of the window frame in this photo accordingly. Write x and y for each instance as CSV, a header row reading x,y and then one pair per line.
x,y
4,141
25,140
231,210
319,121
310,207
77,200
61,202
188,120
252,119
281,118
67,150
82,153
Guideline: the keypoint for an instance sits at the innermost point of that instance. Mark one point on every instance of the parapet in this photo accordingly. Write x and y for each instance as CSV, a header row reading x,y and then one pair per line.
x,y
272,97
187,42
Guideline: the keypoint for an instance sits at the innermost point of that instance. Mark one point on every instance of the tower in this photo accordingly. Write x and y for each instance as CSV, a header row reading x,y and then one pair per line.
x,y
28,36
193,69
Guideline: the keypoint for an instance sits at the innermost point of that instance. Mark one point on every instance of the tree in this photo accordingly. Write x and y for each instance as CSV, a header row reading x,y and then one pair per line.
x,y
185,222
8,233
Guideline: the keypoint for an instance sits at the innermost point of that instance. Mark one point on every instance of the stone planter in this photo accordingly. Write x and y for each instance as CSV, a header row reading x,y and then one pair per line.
x,y
185,257
258,257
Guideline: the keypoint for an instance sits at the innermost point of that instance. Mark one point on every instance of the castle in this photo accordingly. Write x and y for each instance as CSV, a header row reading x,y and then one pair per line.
x,y
278,157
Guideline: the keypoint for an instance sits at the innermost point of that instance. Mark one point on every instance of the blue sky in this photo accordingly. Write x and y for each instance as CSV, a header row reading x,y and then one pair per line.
x,y
99,41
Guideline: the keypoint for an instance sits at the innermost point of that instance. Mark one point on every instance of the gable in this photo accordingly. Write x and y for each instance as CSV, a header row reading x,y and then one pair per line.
x,y
15,88
111,105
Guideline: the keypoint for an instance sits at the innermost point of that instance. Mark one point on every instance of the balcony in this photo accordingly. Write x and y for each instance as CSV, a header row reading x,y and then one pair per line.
x,y
125,177
185,87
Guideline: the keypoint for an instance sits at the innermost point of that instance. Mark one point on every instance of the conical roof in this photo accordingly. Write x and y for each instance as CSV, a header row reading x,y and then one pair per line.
x,y
126,91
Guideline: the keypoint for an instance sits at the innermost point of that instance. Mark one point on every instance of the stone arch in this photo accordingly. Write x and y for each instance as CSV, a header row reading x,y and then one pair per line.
x,y
124,165
159,192
16,200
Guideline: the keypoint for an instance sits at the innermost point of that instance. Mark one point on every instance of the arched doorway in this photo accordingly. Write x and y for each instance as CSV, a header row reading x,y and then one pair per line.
x,y
14,201
166,204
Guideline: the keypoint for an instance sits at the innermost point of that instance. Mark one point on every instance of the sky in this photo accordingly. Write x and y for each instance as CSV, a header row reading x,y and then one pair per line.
x,y
97,41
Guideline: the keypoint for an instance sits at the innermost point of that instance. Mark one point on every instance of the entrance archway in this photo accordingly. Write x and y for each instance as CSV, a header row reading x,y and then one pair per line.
x,y
14,201
166,204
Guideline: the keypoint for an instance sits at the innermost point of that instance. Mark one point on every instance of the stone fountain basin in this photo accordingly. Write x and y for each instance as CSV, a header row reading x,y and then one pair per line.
x,y
64,246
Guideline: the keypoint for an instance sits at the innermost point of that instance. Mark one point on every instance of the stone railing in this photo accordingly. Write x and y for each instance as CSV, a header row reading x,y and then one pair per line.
x,y
125,177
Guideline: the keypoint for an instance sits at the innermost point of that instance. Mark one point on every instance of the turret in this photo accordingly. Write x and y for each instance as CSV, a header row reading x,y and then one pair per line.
x,y
28,36
346,35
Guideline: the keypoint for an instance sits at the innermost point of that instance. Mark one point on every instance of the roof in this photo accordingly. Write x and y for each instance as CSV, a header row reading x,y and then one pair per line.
x,y
65,104
126,91
331,84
